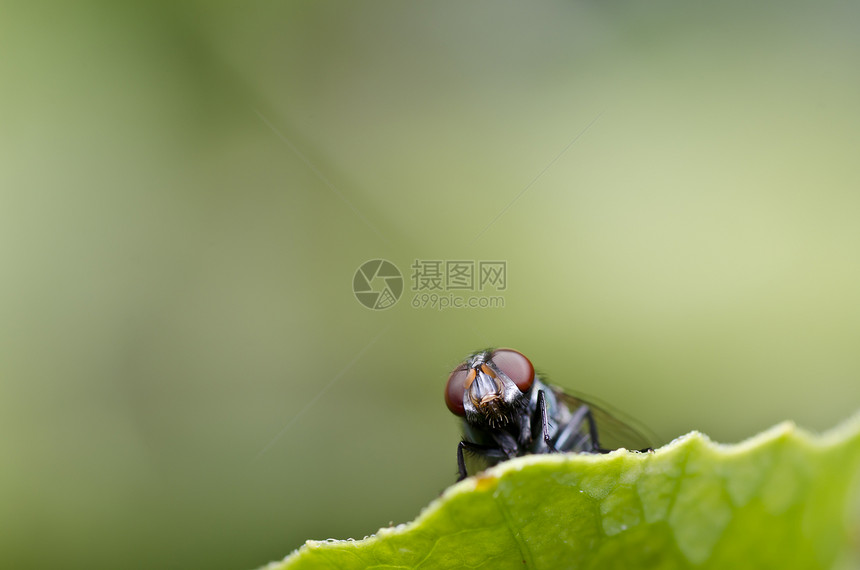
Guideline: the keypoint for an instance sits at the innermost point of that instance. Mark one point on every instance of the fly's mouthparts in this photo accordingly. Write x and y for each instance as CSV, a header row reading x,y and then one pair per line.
x,y
497,419
492,407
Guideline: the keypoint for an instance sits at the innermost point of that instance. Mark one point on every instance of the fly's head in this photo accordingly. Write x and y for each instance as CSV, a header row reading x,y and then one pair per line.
x,y
489,387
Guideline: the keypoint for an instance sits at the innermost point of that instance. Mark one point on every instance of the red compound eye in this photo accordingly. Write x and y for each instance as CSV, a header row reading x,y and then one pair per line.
x,y
515,366
458,382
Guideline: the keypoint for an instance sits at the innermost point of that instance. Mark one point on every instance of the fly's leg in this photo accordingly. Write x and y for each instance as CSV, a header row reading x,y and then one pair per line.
x,y
583,441
545,422
461,463
485,450
592,429
571,438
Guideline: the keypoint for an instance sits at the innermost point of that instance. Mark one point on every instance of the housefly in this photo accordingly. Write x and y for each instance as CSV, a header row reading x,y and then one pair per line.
x,y
508,412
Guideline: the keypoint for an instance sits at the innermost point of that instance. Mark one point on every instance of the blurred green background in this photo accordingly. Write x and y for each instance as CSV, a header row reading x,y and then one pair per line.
x,y
186,190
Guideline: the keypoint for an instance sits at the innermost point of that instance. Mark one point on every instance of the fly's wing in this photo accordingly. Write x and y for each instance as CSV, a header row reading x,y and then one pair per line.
x,y
614,429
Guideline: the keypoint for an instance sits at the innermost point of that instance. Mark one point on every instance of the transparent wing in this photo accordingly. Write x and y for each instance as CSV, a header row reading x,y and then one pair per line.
x,y
614,429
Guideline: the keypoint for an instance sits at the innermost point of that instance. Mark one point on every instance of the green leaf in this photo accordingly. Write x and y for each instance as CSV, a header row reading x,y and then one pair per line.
x,y
777,500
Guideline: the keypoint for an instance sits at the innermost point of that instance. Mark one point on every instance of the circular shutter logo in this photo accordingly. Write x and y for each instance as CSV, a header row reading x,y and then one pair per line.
x,y
377,284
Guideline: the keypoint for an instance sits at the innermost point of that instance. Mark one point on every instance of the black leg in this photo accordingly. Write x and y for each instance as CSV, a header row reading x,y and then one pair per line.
x,y
581,441
587,441
592,429
485,450
461,463
572,437
545,421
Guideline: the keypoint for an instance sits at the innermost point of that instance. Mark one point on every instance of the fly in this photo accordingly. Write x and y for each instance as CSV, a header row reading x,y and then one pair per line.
x,y
508,412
